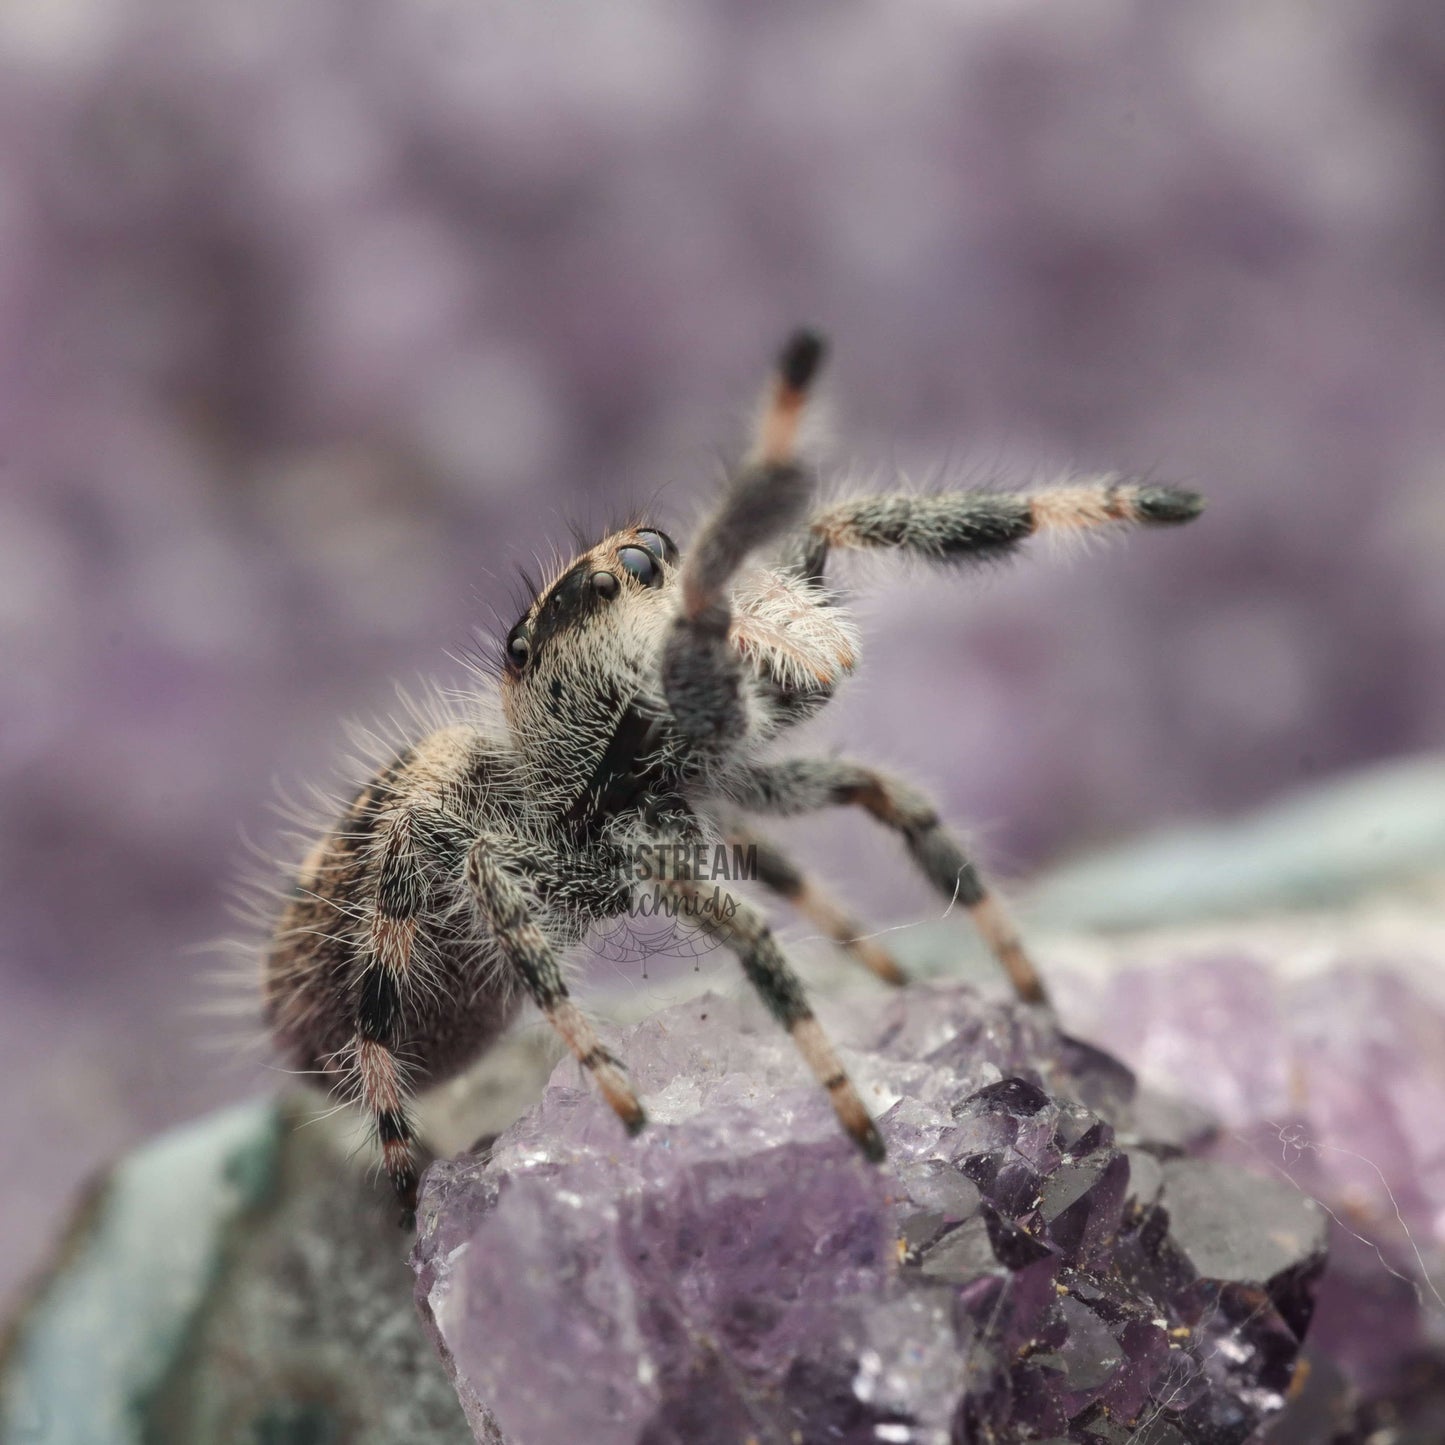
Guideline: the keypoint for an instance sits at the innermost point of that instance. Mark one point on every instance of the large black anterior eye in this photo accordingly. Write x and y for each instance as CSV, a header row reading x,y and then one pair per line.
x,y
659,544
641,564
519,647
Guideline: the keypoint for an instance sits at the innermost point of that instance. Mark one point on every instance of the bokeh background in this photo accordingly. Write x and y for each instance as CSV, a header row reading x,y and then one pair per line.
x,y
317,320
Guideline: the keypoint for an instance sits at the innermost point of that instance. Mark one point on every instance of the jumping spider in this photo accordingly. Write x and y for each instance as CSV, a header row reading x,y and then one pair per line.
x,y
638,691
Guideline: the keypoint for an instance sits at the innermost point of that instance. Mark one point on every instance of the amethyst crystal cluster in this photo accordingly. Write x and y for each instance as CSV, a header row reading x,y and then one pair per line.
x,y
1334,1082
1042,1258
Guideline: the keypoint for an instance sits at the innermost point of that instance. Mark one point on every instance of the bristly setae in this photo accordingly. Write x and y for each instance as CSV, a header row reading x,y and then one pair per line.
x,y
637,691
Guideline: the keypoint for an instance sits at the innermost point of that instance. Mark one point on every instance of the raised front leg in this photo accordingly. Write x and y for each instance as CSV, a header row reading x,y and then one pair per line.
x,y
806,785
703,678
978,526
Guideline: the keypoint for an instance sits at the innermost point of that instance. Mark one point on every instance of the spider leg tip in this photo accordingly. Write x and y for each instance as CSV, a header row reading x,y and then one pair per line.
x,y
888,970
1168,506
802,357
870,1143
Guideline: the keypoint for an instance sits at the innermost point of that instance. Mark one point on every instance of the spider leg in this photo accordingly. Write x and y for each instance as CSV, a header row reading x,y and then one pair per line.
x,y
805,785
778,873
799,362
387,977
701,675
506,912
745,931
961,526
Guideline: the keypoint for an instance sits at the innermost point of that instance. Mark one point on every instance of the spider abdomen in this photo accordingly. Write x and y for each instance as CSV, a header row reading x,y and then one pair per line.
x,y
379,929
451,1002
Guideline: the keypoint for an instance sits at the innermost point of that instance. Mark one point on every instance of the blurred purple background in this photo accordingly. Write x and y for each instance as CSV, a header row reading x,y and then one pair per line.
x,y
316,320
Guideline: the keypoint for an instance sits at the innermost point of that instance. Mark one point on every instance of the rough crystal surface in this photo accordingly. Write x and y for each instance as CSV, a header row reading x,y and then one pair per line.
x,y
1030,1265
1333,1082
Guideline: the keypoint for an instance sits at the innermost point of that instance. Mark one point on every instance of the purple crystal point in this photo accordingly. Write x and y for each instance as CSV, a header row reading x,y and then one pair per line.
x,y
1050,1167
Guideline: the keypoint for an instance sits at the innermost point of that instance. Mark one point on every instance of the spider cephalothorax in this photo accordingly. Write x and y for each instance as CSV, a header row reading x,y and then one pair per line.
x,y
637,690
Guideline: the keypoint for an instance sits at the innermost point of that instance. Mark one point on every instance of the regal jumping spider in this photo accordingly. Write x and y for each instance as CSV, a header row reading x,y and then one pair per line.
x,y
638,691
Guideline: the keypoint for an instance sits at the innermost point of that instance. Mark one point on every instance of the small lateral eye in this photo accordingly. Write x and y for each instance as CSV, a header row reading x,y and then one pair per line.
x,y
659,544
605,584
519,648
641,564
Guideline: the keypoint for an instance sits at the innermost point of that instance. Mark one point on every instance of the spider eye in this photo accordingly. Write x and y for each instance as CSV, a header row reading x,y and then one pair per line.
x,y
641,564
519,648
659,544
604,584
